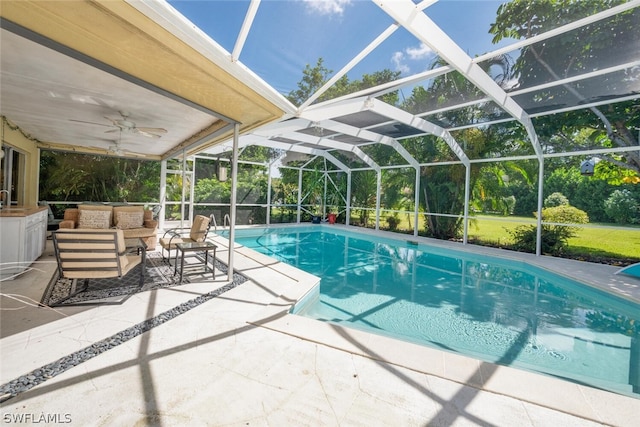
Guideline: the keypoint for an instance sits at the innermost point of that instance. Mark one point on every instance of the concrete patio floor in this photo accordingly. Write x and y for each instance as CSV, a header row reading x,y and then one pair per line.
x,y
240,359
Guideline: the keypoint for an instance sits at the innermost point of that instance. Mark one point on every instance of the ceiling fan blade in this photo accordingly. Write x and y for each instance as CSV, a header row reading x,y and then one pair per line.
x,y
101,102
152,130
147,134
132,154
112,130
90,123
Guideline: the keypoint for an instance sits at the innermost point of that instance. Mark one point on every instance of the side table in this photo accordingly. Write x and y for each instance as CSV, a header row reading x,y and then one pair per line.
x,y
182,248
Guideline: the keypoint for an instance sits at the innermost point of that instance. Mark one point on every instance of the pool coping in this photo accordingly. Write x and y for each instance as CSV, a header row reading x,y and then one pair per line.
x,y
557,394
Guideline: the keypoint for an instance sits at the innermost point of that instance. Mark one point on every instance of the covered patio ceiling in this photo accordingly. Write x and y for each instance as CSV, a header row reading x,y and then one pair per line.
x,y
122,78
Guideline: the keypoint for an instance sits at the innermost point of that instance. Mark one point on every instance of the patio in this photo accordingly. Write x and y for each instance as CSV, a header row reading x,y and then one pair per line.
x,y
238,358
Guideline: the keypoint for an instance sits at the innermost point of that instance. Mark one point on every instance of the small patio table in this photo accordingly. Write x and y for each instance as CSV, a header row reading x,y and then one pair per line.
x,y
182,248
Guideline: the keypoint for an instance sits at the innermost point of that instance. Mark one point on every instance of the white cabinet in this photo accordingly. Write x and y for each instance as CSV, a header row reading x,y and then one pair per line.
x,y
22,241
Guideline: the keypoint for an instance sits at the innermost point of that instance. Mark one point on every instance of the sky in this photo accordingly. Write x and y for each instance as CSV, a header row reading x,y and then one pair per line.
x,y
288,35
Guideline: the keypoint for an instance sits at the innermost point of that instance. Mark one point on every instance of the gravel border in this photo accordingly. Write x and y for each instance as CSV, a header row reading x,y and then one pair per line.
x,y
50,370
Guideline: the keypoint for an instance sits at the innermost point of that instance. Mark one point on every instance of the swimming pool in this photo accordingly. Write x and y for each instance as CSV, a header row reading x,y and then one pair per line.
x,y
494,309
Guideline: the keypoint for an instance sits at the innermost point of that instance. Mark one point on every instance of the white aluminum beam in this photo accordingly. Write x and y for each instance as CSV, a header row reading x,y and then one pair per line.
x,y
418,123
389,86
282,127
425,30
301,149
370,136
356,105
576,78
367,50
244,30
330,143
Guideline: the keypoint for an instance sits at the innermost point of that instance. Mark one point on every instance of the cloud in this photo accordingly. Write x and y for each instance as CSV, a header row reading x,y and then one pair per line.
x,y
423,51
327,7
398,61
400,58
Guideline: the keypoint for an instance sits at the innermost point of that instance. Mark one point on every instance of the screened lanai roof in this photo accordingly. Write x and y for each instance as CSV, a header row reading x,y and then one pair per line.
x,y
402,69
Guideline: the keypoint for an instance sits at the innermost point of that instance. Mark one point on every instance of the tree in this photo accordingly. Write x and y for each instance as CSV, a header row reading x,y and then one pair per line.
x,y
582,50
81,177
313,78
363,193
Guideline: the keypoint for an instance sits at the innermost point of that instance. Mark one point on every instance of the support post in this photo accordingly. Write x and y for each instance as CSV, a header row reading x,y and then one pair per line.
x,y
416,202
184,187
192,190
540,200
378,185
467,193
347,219
299,194
268,216
234,196
163,194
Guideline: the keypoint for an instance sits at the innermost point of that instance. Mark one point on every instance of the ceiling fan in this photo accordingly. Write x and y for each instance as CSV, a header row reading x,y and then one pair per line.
x,y
123,124
115,148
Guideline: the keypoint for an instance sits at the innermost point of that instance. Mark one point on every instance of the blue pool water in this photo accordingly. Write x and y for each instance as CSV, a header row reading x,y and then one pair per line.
x,y
497,310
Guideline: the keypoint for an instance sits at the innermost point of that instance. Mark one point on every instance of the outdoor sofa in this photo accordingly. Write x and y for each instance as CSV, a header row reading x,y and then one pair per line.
x,y
134,221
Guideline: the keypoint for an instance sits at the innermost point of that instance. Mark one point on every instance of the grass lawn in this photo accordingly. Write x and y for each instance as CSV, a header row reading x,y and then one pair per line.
x,y
603,242
607,242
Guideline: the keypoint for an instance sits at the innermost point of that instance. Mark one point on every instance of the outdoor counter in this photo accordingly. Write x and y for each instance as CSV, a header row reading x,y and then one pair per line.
x,y
24,232
18,211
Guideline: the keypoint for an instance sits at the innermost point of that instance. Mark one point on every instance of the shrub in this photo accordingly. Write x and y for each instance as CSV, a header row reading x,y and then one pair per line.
x,y
622,207
565,214
556,199
393,222
554,238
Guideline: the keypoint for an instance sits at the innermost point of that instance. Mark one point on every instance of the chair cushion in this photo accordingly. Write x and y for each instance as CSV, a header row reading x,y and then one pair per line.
x,y
199,228
98,219
170,243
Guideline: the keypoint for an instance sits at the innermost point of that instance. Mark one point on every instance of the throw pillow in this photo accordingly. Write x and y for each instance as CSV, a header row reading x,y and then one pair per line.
x,y
100,207
127,220
94,219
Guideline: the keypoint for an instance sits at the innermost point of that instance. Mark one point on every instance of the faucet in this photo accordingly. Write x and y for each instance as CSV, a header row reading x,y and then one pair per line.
x,y
7,198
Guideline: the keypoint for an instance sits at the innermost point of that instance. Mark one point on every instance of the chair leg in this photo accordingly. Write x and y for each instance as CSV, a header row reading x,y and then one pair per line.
x,y
143,269
168,258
